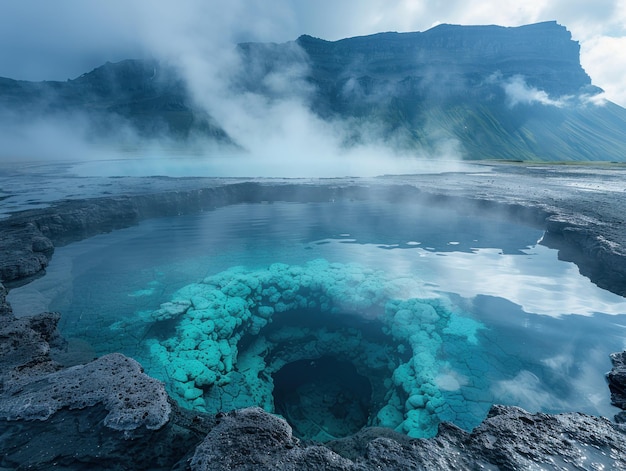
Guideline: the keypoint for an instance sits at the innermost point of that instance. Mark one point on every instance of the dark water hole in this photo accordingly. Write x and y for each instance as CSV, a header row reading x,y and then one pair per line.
x,y
322,398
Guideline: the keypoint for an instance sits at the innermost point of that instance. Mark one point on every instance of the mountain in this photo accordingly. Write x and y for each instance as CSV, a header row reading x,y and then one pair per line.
x,y
504,93
490,92
150,97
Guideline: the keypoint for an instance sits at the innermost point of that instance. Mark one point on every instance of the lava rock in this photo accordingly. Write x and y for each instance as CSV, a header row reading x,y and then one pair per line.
x,y
106,414
34,387
510,438
131,398
77,439
25,346
5,307
24,250
252,439
617,382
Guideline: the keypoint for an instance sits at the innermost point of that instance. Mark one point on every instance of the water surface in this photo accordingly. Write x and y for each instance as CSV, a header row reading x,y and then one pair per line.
x,y
544,331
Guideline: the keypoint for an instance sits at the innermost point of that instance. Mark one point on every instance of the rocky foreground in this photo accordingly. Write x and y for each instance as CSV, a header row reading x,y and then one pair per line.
x,y
107,414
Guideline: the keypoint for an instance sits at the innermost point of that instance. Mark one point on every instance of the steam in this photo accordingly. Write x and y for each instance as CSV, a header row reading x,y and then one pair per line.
x,y
277,130
56,137
271,123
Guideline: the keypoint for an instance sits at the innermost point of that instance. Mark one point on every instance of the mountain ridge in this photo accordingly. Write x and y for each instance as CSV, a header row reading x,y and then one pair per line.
x,y
495,92
468,45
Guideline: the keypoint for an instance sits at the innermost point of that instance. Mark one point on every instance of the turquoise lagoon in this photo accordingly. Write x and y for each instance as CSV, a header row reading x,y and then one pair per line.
x,y
339,315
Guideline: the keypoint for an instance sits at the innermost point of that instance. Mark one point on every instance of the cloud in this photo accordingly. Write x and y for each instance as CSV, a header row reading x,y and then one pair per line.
x,y
518,92
605,57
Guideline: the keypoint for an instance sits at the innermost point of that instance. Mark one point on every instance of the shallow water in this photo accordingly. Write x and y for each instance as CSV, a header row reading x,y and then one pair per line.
x,y
539,332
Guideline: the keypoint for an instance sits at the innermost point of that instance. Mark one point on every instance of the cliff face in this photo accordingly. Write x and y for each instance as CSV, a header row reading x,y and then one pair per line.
x,y
543,52
504,93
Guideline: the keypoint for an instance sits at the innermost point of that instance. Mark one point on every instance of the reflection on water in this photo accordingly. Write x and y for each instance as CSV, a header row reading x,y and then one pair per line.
x,y
548,330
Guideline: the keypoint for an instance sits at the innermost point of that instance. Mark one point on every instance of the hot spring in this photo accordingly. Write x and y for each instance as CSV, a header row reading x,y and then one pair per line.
x,y
340,315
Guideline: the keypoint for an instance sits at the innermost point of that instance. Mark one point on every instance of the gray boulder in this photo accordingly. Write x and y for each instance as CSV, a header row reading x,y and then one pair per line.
x,y
106,414
252,439
509,439
617,384
25,345
131,398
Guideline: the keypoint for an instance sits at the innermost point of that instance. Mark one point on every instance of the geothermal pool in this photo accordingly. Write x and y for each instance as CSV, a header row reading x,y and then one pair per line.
x,y
339,315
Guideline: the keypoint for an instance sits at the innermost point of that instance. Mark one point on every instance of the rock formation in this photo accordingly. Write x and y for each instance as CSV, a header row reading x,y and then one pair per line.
x,y
544,52
617,384
99,414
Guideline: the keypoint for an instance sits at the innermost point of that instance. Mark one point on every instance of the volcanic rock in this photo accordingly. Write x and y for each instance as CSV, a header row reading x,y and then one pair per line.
x,y
106,414
510,438
617,384
94,429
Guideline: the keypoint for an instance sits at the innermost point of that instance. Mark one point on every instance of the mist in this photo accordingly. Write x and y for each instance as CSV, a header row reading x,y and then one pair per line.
x,y
519,92
272,130
268,117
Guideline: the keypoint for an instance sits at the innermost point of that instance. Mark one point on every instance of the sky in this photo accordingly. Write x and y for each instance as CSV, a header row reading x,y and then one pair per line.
x,y
45,40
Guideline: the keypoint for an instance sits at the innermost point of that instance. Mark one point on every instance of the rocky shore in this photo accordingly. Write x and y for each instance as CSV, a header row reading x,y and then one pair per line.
x,y
107,414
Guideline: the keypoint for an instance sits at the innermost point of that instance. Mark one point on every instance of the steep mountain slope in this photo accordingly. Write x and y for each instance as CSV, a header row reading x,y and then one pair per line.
x,y
148,97
481,91
494,92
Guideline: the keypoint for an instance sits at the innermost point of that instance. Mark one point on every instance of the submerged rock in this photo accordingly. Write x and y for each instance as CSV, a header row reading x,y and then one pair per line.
x,y
236,329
